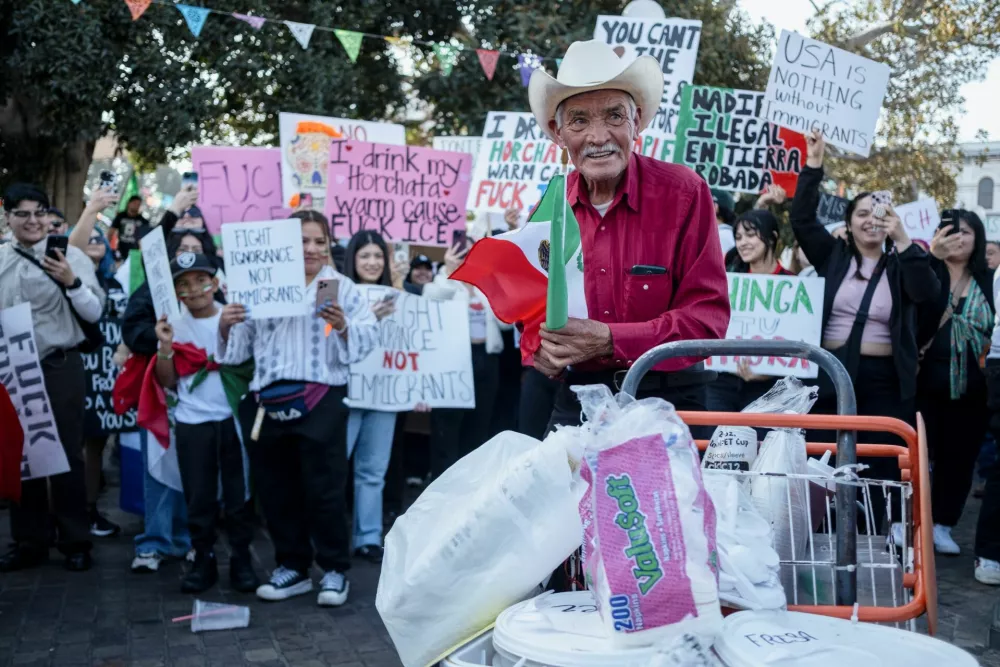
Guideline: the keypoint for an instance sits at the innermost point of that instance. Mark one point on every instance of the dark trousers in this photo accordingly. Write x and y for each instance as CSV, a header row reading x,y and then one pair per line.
x,y
955,431
300,472
508,398
205,453
65,382
731,393
455,433
988,527
878,395
538,397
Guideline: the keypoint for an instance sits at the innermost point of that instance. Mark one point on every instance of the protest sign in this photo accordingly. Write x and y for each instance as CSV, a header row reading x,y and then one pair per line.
x,y
157,266
409,194
920,218
773,307
721,135
423,356
992,224
674,44
21,374
99,418
514,165
305,149
238,184
459,144
816,86
831,210
265,267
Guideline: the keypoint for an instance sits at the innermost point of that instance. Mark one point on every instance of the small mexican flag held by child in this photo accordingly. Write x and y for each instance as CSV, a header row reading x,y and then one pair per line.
x,y
534,274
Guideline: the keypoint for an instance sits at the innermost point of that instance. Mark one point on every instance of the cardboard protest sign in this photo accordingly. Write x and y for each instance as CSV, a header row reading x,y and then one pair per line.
x,y
817,86
157,266
721,135
265,267
99,418
423,356
514,165
773,307
408,194
459,144
21,374
920,218
238,184
674,43
831,210
305,149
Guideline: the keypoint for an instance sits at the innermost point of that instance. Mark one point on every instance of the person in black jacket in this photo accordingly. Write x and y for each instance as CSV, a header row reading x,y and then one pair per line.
x,y
954,332
878,348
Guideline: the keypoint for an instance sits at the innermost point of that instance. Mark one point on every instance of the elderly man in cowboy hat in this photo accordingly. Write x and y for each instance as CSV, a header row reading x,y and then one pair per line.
x,y
653,270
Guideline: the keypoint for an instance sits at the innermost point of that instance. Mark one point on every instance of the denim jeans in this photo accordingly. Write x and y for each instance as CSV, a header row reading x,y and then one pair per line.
x,y
165,515
369,437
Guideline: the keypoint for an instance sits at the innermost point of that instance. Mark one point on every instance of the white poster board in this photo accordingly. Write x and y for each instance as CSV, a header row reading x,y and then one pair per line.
x,y
817,86
992,223
920,218
674,44
514,165
265,267
157,267
773,308
21,374
305,149
459,144
423,356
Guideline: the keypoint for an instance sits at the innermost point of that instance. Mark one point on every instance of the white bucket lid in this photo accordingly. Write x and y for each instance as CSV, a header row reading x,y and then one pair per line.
x,y
562,630
771,638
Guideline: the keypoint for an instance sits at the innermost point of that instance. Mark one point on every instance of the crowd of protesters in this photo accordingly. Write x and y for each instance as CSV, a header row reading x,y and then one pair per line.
x,y
256,408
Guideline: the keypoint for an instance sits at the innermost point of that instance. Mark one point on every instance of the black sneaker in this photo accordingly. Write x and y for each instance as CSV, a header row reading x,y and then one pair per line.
x,y
241,575
101,527
370,552
333,589
22,558
202,575
285,583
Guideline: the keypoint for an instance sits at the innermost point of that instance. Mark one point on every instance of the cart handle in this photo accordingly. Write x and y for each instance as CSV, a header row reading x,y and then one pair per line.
x,y
847,404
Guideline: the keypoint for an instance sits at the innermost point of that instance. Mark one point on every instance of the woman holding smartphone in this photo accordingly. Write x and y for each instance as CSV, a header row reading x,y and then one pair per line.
x,y
875,279
295,421
954,332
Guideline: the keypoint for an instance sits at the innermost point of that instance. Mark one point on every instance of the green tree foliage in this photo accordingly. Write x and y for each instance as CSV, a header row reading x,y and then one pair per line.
x,y
933,48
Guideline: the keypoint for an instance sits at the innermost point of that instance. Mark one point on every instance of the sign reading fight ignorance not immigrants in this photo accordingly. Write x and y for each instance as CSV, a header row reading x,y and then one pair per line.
x,y
238,184
408,194
722,136
674,44
423,356
21,374
265,267
99,418
773,308
814,86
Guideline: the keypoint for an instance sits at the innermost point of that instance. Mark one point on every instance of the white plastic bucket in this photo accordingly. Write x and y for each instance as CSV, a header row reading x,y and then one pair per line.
x,y
477,653
559,630
784,638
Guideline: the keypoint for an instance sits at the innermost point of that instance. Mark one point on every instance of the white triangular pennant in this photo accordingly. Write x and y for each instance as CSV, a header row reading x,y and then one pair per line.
x,y
302,32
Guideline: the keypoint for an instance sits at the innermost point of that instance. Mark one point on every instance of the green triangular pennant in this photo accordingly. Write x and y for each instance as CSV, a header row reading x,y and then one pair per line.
x,y
446,54
351,41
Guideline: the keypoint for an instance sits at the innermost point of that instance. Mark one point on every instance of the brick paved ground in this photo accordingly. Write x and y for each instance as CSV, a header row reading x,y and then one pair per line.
x,y
109,617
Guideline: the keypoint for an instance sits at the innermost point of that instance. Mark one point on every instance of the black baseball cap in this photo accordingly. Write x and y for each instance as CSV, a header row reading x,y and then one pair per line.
x,y
189,262
56,212
421,260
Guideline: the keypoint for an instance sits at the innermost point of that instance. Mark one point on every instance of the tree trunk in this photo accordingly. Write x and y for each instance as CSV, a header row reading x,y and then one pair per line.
x,y
67,177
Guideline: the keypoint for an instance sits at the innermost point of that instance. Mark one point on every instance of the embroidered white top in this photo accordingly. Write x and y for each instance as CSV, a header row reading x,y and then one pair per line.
x,y
297,349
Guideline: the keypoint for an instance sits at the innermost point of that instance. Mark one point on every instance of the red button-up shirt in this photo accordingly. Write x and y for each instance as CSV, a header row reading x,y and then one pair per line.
x,y
661,215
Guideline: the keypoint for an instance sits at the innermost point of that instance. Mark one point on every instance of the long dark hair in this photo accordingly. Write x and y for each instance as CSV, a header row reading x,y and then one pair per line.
x,y
848,217
765,225
977,260
207,244
318,218
359,241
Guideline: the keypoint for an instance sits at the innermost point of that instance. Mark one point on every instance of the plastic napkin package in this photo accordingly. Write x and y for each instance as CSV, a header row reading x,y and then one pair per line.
x,y
649,543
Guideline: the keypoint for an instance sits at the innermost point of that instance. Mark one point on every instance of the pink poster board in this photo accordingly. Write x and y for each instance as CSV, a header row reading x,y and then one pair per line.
x,y
409,194
238,184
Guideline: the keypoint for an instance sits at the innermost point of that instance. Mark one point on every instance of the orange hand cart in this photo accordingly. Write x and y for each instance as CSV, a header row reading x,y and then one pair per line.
x,y
914,546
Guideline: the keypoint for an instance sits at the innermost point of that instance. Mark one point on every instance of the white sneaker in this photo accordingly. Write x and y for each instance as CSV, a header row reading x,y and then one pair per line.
x,y
333,589
988,572
190,556
145,563
284,584
943,541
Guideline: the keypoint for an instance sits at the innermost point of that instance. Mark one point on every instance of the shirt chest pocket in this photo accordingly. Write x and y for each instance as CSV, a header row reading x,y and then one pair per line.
x,y
647,297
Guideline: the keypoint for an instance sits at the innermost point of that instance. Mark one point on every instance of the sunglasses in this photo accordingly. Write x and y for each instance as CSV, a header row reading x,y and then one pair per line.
x,y
24,215
95,240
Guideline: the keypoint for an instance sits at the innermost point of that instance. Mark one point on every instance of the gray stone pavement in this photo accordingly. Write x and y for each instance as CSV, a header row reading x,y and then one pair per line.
x,y
109,617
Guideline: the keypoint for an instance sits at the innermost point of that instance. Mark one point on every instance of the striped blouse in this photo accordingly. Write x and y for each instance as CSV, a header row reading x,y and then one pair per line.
x,y
296,348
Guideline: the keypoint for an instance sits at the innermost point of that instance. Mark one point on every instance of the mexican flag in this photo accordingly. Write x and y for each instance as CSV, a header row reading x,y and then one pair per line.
x,y
534,274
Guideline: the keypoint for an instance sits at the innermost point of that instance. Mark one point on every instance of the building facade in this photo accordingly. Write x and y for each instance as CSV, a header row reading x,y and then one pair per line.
x,y
979,183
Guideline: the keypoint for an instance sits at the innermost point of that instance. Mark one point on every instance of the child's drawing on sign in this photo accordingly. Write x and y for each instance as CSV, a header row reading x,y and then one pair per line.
x,y
309,154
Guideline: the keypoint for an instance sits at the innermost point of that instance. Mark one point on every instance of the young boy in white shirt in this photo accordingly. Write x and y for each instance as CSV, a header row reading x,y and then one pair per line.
x,y
207,436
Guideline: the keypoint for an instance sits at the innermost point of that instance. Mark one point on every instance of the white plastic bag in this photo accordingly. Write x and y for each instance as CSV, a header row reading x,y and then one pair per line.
x,y
651,556
480,538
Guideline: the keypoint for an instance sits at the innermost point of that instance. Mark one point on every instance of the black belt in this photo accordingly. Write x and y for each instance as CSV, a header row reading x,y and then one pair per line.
x,y
59,355
652,381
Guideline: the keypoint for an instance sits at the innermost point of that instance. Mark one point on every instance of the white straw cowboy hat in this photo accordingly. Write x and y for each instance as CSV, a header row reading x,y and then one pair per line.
x,y
593,65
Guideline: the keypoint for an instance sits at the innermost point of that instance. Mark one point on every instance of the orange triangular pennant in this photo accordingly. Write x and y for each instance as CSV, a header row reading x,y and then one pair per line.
x,y
137,7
